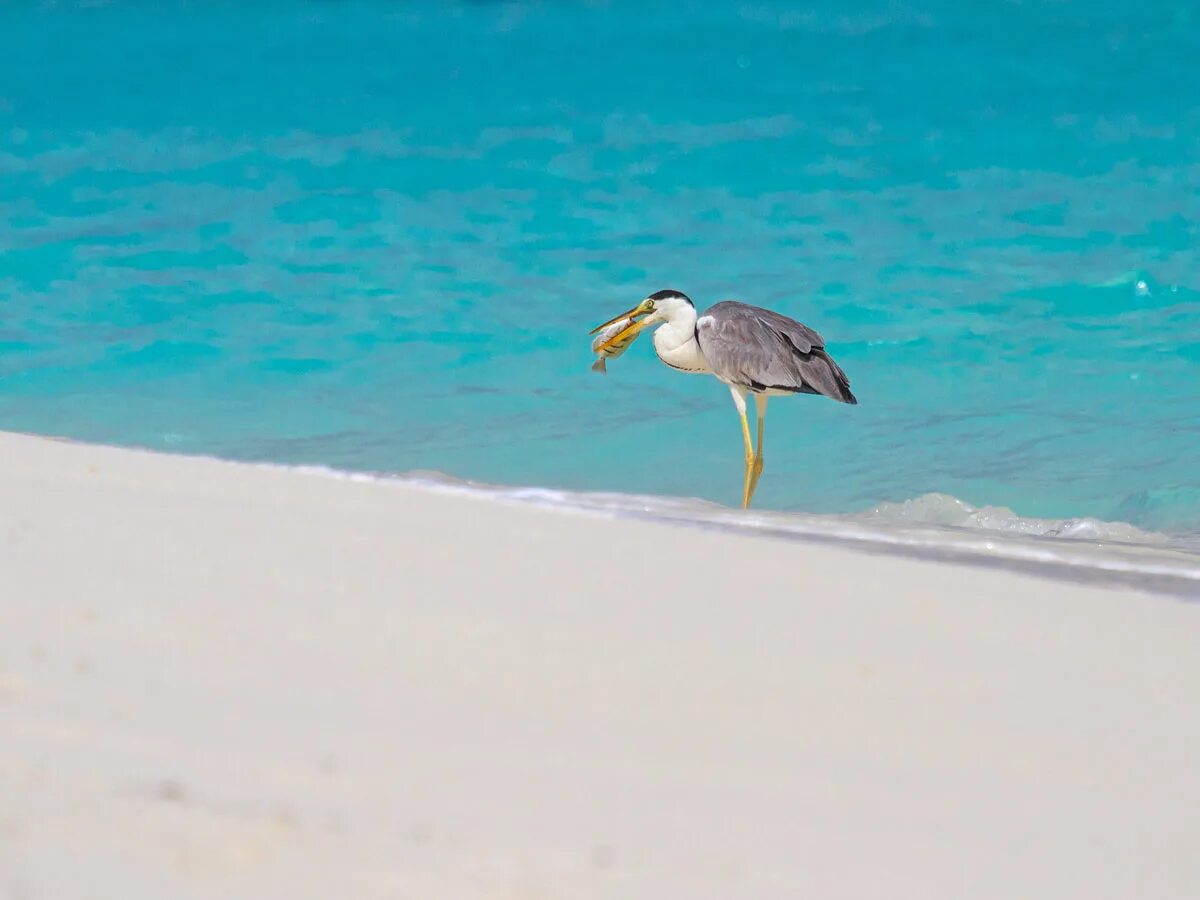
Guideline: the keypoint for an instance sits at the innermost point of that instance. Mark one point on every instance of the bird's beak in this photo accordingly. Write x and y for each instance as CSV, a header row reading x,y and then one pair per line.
x,y
642,309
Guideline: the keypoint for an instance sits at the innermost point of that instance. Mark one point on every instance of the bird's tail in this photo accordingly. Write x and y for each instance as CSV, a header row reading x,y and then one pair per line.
x,y
832,381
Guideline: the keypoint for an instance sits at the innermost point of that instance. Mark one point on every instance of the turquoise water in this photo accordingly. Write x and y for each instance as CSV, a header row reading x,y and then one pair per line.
x,y
375,235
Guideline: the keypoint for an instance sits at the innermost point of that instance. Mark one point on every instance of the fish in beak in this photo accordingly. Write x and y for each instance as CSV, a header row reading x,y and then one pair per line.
x,y
628,330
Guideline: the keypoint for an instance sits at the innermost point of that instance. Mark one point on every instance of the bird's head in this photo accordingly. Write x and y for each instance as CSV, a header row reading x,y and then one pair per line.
x,y
661,306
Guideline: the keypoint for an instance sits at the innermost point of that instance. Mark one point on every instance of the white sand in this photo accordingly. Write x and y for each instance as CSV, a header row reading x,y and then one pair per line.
x,y
225,681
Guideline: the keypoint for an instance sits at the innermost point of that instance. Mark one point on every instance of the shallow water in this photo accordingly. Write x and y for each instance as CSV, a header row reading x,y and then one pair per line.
x,y
373,236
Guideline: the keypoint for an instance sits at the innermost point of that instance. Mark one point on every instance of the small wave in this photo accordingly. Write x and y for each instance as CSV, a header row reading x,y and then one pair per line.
x,y
943,510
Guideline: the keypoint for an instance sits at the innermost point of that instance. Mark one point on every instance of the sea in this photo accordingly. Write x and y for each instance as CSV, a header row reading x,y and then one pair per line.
x,y
371,237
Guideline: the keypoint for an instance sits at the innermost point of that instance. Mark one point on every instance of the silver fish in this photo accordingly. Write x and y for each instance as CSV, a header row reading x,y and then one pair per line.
x,y
611,343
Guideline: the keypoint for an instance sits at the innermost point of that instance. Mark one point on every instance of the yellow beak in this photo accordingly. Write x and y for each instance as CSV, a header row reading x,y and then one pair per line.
x,y
642,309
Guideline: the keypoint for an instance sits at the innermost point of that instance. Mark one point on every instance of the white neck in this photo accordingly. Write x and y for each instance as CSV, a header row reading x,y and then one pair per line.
x,y
675,341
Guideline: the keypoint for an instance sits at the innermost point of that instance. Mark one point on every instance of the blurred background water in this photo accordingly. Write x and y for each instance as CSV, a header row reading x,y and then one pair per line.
x,y
374,235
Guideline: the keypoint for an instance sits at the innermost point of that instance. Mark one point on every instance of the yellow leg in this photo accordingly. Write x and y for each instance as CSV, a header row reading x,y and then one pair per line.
x,y
760,401
753,460
748,481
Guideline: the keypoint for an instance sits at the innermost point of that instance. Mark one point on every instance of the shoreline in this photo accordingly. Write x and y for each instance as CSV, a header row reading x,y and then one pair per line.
x,y
1157,563
237,680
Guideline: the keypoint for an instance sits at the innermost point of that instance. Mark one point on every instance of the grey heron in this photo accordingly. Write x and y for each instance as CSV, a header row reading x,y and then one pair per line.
x,y
755,351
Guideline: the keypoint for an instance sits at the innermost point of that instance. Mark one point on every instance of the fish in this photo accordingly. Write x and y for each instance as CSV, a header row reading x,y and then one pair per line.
x,y
612,341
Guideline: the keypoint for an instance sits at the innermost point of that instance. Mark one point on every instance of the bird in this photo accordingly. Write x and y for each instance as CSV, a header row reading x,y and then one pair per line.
x,y
754,351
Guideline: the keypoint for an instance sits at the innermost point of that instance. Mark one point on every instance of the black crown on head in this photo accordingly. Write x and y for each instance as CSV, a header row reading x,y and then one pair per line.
x,y
671,295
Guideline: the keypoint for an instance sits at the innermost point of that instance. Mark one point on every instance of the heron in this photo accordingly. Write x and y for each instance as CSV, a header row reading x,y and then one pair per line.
x,y
754,351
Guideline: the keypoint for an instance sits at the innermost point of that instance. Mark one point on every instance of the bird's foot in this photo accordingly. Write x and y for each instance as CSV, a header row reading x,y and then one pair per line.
x,y
748,482
753,471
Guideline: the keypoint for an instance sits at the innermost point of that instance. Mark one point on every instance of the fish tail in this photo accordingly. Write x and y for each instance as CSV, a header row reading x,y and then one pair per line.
x,y
599,366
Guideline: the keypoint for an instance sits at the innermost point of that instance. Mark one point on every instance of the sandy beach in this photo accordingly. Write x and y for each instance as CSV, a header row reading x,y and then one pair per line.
x,y
220,680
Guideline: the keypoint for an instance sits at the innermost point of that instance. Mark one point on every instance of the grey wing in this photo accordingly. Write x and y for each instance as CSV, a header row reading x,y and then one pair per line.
x,y
760,349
